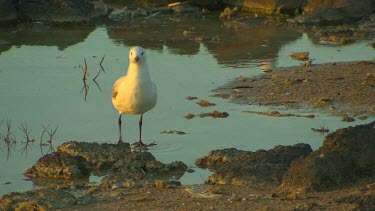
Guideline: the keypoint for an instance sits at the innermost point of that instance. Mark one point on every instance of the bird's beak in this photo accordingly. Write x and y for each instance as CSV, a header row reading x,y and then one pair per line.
x,y
136,58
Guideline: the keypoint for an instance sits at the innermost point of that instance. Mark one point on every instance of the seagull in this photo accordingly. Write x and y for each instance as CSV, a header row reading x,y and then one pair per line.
x,y
134,93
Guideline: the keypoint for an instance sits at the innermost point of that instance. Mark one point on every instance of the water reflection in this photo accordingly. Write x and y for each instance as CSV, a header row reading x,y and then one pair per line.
x,y
10,140
85,88
38,34
232,47
261,43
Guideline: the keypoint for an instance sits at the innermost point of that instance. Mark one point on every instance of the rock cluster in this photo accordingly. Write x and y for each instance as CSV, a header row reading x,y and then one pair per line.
x,y
99,156
346,156
310,11
305,11
123,168
59,166
232,166
57,11
141,169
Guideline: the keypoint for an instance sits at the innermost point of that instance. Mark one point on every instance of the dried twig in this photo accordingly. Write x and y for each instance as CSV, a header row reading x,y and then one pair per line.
x,y
101,69
41,136
101,64
85,88
85,70
50,133
9,147
26,131
9,141
97,85
7,137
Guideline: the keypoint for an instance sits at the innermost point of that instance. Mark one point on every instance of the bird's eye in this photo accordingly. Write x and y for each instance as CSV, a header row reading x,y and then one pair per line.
x,y
142,53
131,53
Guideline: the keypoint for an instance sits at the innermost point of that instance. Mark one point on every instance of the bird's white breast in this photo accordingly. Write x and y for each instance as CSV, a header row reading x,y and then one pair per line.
x,y
134,93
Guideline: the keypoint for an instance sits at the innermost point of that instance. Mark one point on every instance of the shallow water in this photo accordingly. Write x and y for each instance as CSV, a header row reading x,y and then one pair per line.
x,y
41,83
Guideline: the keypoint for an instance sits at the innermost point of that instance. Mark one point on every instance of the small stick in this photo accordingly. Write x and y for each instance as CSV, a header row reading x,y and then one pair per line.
x,y
86,89
7,137
98,86
101,69
26,131
50,133
85,71
101,63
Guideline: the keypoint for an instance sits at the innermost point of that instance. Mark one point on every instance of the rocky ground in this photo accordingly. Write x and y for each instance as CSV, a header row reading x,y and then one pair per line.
x,y
337,176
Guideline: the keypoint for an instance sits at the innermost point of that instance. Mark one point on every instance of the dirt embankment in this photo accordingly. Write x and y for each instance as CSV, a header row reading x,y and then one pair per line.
x,y
347,87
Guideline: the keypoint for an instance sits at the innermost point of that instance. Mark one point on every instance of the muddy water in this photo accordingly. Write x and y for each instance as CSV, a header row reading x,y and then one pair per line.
x,y
41,85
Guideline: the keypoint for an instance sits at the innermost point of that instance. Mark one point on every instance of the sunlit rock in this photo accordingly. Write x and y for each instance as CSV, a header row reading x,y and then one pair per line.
x,y
140,169
99,156
59,165
346,156
268,6
232,166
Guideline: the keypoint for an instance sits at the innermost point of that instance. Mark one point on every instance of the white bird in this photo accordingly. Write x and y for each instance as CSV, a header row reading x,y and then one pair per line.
x,y
134,93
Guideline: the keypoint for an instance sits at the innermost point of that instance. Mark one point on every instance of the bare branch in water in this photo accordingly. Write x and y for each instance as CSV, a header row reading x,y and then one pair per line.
x,y
101,69
9,147
26,131
8,140
97,85
51,133
7,136
101,64
85,88
84,70
97,75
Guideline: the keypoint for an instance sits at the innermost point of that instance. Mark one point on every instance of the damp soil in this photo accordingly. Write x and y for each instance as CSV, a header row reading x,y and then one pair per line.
x,y
230,197
339,88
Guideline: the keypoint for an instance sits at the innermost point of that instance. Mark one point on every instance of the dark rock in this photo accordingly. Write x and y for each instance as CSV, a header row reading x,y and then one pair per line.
x,y
40,199
123,168
139,169
99,156
336,10
7,11
269,6
59,165
346,155
57,11
139,4
185,7
232,166
209,4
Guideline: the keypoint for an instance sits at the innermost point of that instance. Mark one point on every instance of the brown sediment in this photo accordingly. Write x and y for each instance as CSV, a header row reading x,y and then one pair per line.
x,y
345,87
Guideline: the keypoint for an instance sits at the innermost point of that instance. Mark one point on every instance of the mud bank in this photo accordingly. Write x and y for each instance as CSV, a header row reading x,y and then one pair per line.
x,y
337,88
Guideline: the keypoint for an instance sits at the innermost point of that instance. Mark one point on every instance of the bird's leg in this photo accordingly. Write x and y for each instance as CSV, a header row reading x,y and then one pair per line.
x,y
119,129
140,143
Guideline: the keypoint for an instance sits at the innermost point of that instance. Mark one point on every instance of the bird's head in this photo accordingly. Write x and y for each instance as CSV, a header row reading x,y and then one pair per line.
x,y
137,55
